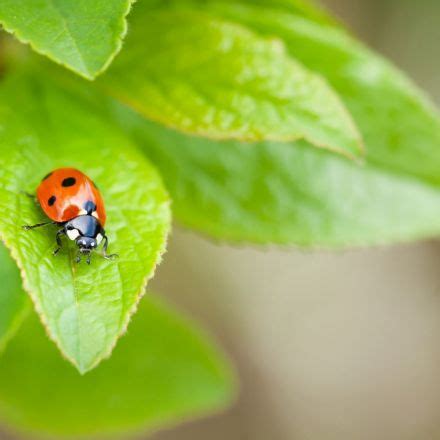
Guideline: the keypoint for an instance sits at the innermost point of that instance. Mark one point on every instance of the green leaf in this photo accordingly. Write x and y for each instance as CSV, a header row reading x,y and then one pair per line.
x,y
85,308
290,194
399,125
163,372
14,304
81,35
285,193
209,77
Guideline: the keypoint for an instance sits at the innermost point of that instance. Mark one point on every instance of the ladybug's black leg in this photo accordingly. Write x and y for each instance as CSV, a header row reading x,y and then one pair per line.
x,y
88,258
29,227
78,257
104,248
60,233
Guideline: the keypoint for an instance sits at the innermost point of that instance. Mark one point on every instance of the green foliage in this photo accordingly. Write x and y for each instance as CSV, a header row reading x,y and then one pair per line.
x,y
14,303
85,308
208,77
291,194
278,193
80,34
163,372
401,128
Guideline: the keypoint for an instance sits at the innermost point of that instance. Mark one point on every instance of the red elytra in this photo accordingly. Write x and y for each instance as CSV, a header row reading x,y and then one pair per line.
x,y
66,193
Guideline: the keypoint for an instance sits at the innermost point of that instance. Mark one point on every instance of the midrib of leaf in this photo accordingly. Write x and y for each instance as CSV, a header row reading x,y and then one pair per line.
x,y
70,35
77,308
121,326
83,69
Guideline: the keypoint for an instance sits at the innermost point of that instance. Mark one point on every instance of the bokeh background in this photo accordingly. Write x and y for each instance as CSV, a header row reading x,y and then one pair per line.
x,y
341,346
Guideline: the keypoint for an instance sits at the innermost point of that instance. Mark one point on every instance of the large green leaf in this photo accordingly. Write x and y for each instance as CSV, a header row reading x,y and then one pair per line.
x,y
285,193
163,372
85,308
216,79
291,194
80,34
14,303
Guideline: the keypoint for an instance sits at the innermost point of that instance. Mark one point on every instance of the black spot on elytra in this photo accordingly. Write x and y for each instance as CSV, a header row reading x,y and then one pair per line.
x,y
68,181
52,200
47,176
89,207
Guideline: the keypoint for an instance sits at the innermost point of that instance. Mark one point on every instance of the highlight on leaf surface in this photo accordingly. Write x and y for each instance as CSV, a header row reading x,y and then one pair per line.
x,y
84,308
210,77
163,372
79,34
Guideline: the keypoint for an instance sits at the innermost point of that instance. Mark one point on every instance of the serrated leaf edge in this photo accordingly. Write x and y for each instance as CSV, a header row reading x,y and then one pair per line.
x,y
26,287
89,76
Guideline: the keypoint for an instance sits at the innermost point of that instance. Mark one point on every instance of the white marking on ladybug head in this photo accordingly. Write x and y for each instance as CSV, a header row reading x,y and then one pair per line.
x,y
73,234
82,212
95,214
99,238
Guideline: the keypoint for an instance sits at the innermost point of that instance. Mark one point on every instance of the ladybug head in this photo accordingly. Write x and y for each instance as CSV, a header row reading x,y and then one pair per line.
x,y
86,244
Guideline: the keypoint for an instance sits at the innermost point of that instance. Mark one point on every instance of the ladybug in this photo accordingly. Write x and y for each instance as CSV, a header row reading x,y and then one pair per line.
x,y
71,200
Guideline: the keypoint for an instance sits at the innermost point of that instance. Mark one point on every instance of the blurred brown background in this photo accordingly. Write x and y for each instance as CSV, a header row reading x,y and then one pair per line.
x,y
328,346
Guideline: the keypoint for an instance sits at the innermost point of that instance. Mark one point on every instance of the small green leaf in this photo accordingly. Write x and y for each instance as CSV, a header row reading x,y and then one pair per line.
x,y
85,308
14,304
79,34
216,79
163,372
